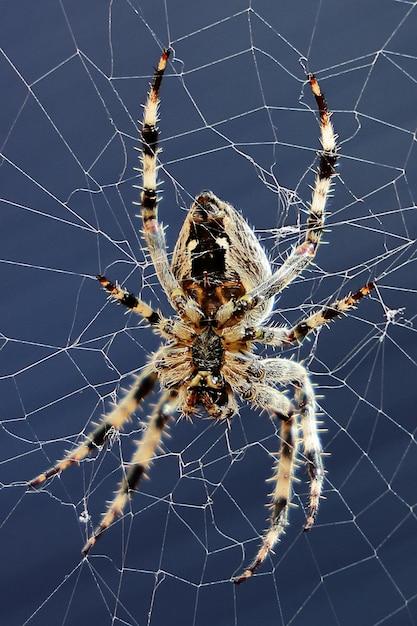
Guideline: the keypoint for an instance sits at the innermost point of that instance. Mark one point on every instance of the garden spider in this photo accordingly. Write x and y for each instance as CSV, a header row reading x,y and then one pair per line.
x,y
222,289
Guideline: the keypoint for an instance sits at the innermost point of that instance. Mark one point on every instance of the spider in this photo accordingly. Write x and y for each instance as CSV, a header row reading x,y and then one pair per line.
x,y
222,288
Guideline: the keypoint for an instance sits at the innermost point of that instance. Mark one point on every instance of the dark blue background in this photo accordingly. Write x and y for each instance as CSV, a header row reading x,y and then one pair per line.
x,y
237,118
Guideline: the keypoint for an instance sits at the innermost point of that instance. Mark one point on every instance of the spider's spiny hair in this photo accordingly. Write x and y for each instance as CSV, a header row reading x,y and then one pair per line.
x,y
150,149
129,300
281,497
284,372
326,169
326,314
153,230
141,460
114,421
282,336
302,255
312,450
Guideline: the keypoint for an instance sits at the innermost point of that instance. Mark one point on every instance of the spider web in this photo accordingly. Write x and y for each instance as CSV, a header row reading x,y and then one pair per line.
x,y
237,118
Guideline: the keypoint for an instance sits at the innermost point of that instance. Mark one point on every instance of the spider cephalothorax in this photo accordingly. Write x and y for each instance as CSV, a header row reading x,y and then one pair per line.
x,y
222,289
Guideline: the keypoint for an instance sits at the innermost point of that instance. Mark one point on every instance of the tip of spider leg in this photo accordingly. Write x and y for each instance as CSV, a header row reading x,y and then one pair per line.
x,y
36,481
166,53
367,288
309,523
90,543
240,579
314,85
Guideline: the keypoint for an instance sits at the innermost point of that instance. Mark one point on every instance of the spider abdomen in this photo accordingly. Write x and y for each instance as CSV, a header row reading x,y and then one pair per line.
x,y
217,257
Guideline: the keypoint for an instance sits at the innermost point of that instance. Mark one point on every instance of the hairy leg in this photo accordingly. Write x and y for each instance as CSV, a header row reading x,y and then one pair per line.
x,y
143,385
146,449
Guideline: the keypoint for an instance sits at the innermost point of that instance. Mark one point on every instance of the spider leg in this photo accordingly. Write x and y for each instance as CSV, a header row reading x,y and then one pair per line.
x,y
283,371
164,326
144,384
303,254
153,230
130,301
139,464
283,336
281,497
279,407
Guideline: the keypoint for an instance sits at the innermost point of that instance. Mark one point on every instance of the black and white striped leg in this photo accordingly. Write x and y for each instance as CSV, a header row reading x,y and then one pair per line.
x,y
130,301
285,372
146,449
153,230
303,254
144,384
165,326
281,497
284,336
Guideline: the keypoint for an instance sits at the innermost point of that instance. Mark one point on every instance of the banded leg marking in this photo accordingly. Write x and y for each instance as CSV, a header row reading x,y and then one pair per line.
x,y
284,336
139,465
302,255
130,301
153,230
281,498
115,420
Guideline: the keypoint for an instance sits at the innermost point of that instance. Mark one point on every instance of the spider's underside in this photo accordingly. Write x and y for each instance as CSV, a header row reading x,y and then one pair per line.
x,y
222,289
